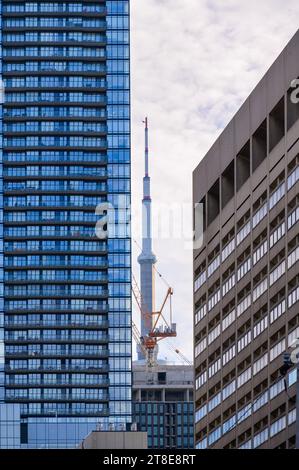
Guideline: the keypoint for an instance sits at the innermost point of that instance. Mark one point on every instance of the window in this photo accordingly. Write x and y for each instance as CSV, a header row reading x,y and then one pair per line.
x,y
228,390
244,305
260,438
201,380
228,285
260,252
277,273
293,297
214,334
200,347
277,350
277,311
228,249
277,234
260,327
229,355
228,320
243,233
278,426
259,215
201,313
244,269
260,364
260,289
213,265
293,257
214,300
201,413
244,377
200,281
244,341
214,368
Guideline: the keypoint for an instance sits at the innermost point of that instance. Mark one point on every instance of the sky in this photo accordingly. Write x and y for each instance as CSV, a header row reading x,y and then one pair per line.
x,y
193,64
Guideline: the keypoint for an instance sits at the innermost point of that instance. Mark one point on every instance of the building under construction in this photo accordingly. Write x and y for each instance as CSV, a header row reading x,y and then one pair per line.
x,y
162,392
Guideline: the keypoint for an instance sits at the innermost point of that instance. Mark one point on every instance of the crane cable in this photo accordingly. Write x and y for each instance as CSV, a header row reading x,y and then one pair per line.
x,y
157,271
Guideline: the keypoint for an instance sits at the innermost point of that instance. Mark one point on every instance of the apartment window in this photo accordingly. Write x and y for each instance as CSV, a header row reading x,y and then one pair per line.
x,y
228,320
278,426
293,257
246,445
293,218
214,402
277,311
228,390
201,313
214,334
244,269
260,289
200,281
244,341
260,327
229,424
260,252
276,389
293,336
260,438
200,347
214,300
201,413
259,215
292,417
244,413
228,285
260,364
228,249
213,266
293,178
214,368
293,297
277,273
277,234
229,355
262,401
243,233
215,435
201,380
277,350
244,305
244,377
276,196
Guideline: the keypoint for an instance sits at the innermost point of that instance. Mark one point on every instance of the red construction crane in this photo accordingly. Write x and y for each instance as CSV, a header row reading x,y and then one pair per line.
x,y
162,328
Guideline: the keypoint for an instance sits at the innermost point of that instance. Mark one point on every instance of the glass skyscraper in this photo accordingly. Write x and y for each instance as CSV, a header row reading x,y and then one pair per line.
x,y
65,321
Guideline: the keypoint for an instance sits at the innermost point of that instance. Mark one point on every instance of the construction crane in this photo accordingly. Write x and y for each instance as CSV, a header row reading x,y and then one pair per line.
x,y
161,327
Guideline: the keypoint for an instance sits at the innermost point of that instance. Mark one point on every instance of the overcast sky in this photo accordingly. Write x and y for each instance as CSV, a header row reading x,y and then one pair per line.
x,y
193,64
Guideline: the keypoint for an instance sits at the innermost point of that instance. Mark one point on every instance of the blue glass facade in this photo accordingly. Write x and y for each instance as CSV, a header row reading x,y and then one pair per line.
x,y
66,149
169,425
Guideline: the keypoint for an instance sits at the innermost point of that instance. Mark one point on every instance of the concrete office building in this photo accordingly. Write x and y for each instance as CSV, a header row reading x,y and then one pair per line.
x,y
163,405
65,306
246,274
108,440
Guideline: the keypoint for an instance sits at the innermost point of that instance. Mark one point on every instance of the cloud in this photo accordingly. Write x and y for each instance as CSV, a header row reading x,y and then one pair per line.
x,y
193,64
